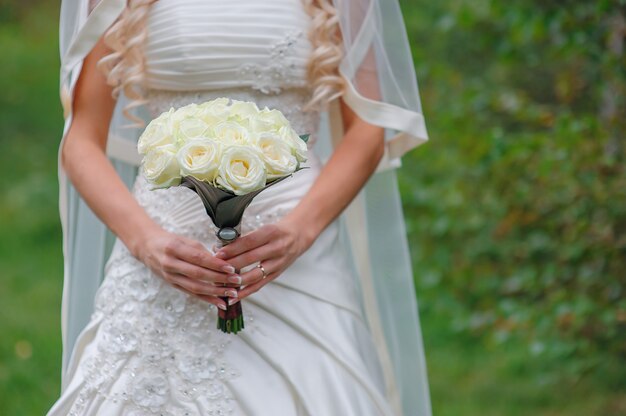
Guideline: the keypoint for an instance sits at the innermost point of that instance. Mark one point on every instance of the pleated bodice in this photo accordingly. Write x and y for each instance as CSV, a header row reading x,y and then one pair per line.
x,y
212,44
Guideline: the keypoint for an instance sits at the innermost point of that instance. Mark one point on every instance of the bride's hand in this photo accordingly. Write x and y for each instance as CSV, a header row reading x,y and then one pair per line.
x,y
276,246
187,265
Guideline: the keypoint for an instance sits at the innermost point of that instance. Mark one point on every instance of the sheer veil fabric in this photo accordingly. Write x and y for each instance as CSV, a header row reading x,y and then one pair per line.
x,y
382,90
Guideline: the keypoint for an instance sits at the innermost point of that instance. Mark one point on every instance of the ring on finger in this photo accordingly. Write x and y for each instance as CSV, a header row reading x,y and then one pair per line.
x,y
260,266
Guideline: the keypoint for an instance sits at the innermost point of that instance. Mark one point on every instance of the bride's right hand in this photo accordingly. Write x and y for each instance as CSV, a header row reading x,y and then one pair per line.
x,y
187,265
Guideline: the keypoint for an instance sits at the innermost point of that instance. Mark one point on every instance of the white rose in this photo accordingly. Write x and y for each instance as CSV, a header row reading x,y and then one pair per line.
x,y
160,167
277,155
241,170
190,129
230,132
214,111
243,110
187,111
200,159
298,145
159,132
268,120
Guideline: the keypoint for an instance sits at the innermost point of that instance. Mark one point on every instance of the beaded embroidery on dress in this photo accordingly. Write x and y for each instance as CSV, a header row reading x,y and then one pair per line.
x,y
279,72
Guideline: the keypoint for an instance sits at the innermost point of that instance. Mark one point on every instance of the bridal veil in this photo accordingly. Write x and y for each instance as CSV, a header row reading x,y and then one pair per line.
x,y
381,89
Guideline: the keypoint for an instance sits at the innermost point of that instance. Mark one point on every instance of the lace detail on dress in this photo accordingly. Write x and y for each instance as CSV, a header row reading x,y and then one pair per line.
x,y
163,338
281,69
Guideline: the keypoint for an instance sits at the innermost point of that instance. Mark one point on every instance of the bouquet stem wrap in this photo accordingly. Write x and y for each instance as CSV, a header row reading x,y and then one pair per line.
x,y
231,319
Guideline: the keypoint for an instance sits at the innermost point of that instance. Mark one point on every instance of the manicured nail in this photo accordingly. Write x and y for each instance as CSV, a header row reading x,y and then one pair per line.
x,y
220,255
234,279
228,269
231,302
222,307
231,293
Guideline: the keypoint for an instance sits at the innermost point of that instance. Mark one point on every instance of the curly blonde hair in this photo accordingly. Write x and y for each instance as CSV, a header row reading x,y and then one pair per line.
x,y
125,66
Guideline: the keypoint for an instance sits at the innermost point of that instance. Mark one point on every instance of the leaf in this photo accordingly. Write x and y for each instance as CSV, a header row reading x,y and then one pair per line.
x,y
305,137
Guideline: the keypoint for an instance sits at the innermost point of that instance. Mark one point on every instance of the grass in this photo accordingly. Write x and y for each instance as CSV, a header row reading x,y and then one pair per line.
x,y
468,375
31,257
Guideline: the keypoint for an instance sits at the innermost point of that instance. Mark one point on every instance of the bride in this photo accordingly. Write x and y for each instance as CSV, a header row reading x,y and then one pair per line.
x,y
331,325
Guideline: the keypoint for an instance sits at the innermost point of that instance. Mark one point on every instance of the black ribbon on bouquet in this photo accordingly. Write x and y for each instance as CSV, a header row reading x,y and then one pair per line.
x,y
225,208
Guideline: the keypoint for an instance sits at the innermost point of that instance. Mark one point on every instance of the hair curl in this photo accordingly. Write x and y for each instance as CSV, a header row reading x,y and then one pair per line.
x,y
124,67
323,64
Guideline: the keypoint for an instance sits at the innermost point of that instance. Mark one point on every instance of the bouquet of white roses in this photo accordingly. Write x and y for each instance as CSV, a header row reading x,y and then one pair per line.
x,y
227,151
234,146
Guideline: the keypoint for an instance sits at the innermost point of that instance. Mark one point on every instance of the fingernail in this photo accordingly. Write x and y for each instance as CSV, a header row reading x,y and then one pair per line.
x,y
220,255
231,293
231,302
228,269
234,279
222,307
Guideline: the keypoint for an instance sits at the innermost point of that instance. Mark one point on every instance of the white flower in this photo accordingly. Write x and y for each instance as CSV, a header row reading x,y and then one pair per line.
x,y
169,306
200,159
277,154
214,111
230,132
298,145
143,285
197,365
243,110
190,129
187,111
268,120
150,390
160,167
241,170
118,337
159,132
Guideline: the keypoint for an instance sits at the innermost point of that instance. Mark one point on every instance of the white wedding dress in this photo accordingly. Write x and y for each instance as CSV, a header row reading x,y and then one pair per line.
x,y
151,349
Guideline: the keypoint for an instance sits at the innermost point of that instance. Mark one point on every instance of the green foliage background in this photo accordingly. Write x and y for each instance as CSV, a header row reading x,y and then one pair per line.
x,y
516,207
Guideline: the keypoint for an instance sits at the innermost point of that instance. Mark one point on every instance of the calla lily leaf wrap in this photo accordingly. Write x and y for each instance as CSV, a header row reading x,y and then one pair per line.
x,y
225,208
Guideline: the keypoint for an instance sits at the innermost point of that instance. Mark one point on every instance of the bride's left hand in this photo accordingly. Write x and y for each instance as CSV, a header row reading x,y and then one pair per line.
x,y
276,246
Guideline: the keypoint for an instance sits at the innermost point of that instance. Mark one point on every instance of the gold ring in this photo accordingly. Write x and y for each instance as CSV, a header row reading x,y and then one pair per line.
x,y
260,266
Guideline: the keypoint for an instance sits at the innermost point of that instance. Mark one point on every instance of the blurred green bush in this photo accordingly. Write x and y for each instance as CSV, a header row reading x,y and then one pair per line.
x,y
517,205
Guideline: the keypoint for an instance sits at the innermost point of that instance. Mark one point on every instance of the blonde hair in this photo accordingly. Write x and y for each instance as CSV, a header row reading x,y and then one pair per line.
x,y
124,67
